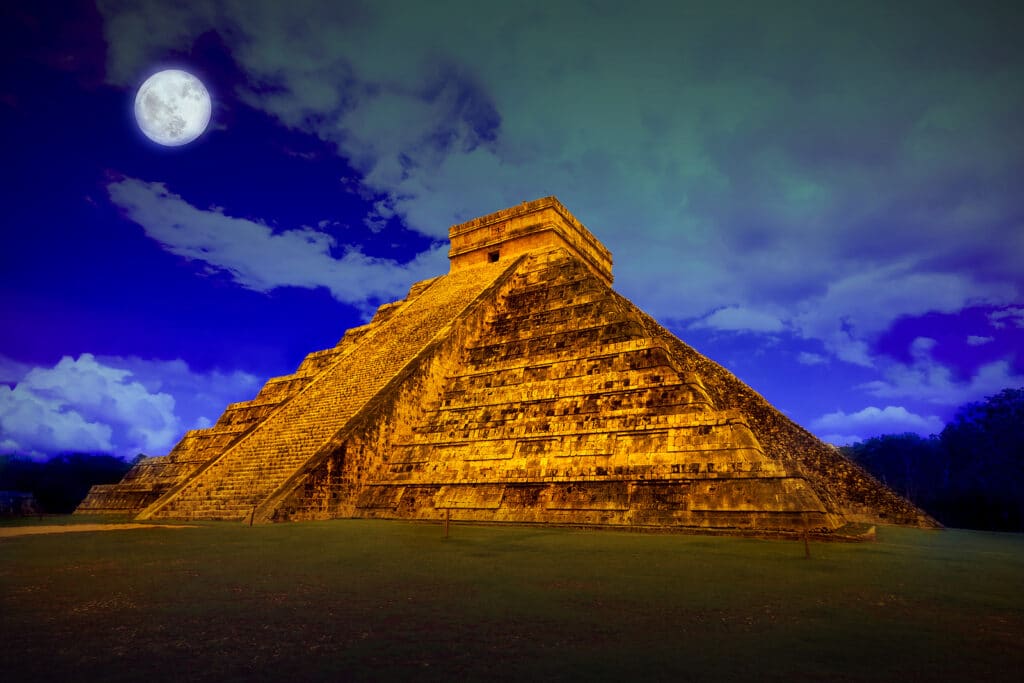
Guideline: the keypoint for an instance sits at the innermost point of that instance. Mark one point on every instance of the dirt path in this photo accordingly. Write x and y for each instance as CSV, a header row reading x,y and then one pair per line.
x,y
68,528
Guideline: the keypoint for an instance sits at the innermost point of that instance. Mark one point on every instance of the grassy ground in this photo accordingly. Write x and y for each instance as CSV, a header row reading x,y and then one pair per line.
x,y
372,600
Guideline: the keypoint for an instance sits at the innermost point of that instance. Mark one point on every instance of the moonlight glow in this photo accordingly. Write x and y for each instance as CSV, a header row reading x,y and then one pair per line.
x,y
172,107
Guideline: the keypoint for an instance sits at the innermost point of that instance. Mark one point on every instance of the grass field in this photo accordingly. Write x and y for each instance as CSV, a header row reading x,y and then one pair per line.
x,y
373,600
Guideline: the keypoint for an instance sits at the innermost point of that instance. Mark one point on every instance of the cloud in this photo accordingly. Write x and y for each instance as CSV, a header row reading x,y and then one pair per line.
x,y
926,379
760,161
856,308
260,258
975,340
84,405
117,405
11,371
843,428
1013,315
738,318
808,358
199,397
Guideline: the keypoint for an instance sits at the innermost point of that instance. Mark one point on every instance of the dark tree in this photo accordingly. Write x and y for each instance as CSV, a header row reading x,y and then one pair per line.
x,y
971,475
60,483
985,442
912,465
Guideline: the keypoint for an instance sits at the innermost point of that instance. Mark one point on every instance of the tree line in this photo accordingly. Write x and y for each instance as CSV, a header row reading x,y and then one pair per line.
x,y
60,483
971,475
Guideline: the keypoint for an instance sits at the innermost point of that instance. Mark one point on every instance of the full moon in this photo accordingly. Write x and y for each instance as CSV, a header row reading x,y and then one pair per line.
x,y
172,107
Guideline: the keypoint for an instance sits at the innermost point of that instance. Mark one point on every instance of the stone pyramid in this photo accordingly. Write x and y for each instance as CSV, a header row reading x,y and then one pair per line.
x,y
520,387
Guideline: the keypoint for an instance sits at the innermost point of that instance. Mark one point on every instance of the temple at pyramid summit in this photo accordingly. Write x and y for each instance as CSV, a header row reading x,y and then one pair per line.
x,y
517,388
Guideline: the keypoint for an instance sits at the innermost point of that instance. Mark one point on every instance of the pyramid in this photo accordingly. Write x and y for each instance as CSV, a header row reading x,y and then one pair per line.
x,y
519,387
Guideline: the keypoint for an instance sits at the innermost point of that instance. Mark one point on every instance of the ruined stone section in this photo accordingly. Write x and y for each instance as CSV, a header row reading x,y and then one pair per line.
x,y
517,388
555,407
858,496
141,485
568,391
531,226
151,478
250,471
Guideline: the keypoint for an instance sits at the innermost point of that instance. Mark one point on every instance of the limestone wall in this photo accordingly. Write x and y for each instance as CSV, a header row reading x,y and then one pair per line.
x,y
549,404
248,473
518,388
531,226
856,494
152,478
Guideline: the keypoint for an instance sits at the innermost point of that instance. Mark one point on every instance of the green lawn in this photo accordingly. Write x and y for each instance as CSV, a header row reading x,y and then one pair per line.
x,y
373,600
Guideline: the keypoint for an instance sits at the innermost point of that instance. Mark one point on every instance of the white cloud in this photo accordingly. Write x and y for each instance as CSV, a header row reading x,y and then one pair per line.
x,y
119,405
975,340
843,428
738,318
808,358
259,258
1014,315
83,404
921,348
926,379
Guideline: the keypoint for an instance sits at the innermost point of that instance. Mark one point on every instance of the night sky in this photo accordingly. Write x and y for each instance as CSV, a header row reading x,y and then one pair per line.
x,y
828,202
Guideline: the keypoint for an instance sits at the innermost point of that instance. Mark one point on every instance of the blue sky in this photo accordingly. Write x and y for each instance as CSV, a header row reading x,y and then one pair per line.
x,y
827,201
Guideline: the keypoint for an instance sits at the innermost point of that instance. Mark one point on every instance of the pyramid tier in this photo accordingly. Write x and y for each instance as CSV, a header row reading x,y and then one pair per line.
x,y
520,387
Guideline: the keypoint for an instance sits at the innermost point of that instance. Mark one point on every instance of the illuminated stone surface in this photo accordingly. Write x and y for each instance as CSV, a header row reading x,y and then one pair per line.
x,y
517,388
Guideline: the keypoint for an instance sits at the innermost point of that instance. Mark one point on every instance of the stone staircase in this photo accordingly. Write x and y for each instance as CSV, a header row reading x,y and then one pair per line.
x,y
152,478
520,387
249,472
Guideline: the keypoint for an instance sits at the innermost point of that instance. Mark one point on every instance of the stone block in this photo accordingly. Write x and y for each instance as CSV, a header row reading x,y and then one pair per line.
x,y
519,387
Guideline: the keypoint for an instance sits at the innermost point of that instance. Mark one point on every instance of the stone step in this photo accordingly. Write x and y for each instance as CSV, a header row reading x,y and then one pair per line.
x,y
483,390
541,399
548,428
597,359
507,322
537,296
259,463
562,344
